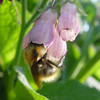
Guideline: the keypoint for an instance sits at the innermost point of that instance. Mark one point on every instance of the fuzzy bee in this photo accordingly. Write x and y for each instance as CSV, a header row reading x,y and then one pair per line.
x,y
43,67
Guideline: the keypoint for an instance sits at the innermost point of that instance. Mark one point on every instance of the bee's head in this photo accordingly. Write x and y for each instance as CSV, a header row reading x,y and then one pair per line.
x,y
34,52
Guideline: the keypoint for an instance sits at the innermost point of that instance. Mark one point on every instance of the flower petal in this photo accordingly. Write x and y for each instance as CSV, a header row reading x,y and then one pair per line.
x,y
26,41
67,35
58,48
66,21
69,7
49,16
42,32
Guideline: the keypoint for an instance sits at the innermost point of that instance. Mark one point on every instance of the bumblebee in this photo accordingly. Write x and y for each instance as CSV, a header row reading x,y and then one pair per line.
x,y
43,67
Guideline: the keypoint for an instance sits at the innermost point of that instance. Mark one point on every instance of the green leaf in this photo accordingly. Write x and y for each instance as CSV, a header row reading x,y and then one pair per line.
x,y
91,51
91,11
10,25
9,32
71,90
23,80
72,55
81,11
97,73
19,92
90,66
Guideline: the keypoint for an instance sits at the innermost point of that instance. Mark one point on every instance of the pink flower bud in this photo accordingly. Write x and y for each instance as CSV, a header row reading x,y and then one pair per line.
x,y
43,30
58,48
68,26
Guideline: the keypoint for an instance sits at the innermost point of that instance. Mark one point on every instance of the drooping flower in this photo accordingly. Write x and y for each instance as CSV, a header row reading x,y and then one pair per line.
x,y
43,29
68,26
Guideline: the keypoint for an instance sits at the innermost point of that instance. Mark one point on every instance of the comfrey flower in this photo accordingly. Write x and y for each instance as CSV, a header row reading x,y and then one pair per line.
x,y
45,45
68,26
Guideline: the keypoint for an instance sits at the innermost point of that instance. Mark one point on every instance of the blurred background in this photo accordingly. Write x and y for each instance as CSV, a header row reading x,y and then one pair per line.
x,y
80,79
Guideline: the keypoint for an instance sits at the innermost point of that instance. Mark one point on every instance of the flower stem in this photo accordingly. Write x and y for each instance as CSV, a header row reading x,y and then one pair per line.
x,y
36,14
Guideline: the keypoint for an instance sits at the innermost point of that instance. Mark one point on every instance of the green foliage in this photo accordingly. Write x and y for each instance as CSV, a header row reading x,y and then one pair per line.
x,y
71,90
9,32
23,80
82,59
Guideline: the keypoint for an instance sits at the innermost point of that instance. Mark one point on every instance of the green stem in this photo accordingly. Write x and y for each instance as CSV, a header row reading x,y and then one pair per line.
x,y
18,50
19,46
24,8
22,32
89,66
74,1
36,14
32,19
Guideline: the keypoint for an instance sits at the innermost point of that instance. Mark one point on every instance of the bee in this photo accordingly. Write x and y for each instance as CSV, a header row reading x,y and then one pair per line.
x,y
43,67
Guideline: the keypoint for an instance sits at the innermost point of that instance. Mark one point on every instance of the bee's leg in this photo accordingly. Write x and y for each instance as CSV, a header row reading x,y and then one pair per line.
x,y
50,62
61,61
34,71
44,56
58,64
